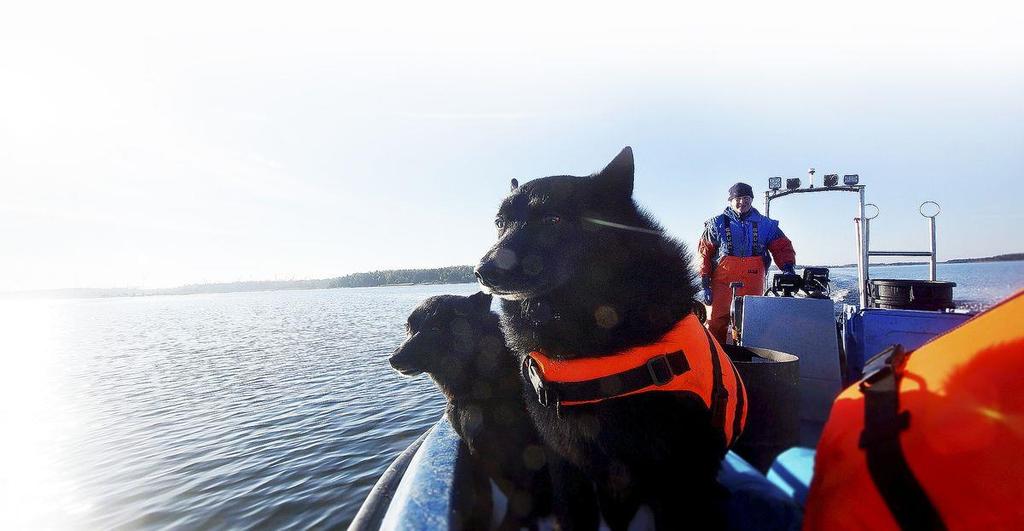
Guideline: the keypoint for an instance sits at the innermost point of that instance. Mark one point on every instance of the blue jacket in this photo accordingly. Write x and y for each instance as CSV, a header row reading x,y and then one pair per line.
x,y
715,242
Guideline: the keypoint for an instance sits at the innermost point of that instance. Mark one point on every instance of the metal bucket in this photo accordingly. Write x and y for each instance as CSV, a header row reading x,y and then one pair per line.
x,y
772,380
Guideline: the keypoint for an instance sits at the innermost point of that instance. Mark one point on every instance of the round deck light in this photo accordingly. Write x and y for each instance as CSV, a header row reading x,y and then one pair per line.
x,y
831,179
792,184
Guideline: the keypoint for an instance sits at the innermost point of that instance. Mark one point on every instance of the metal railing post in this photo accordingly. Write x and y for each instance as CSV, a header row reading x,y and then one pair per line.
x,y
931,267
931,227
862,273
861,299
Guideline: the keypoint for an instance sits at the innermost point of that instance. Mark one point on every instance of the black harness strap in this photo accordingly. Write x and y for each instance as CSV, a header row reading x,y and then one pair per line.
x,y
737,421
887,464
719,394
754,251
728,237
657,371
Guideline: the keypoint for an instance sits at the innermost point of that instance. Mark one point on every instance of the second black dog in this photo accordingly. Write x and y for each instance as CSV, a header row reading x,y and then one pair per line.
x,y
458,342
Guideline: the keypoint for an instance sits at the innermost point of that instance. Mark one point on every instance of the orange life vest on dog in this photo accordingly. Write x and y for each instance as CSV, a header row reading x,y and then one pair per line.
x,y
686,358
933,440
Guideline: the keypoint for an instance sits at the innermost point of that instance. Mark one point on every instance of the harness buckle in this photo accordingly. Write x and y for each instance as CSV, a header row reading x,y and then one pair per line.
x,y
660,370
531,372
867,384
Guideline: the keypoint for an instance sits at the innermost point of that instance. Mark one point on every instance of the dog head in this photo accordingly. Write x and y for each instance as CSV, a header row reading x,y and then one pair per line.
x,y
450,337
549,228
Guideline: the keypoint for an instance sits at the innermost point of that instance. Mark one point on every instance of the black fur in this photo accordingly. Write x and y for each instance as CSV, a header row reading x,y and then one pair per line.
x,y
573,286
458,342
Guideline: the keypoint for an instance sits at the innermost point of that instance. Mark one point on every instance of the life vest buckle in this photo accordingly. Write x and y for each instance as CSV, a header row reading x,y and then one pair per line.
x,y
882,374
545,396
660,370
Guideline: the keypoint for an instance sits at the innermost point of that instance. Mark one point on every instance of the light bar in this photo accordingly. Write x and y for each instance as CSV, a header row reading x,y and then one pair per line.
x,y
831,179
774,183
851,179
792,184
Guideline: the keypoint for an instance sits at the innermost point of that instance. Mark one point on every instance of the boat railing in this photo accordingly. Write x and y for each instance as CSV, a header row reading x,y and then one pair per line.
x,y
931,228
862,223
830,184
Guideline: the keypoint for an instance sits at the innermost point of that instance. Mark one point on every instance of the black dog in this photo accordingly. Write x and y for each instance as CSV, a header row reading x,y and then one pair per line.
x,y
458,342
584,273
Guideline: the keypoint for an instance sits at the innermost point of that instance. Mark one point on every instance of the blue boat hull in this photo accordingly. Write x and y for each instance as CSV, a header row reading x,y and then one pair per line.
x,y
427,495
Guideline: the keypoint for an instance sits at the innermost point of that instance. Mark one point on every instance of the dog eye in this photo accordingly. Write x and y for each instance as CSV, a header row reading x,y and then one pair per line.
x,y
552,220
500,223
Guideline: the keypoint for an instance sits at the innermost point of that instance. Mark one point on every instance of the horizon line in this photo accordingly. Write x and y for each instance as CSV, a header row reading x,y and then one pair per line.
x,y
9,293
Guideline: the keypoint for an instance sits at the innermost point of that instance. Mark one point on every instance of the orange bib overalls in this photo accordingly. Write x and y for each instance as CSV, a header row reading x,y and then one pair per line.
x,y
750,271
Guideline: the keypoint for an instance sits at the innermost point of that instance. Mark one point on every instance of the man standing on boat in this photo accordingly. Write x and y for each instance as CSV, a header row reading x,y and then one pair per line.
x,y
734,248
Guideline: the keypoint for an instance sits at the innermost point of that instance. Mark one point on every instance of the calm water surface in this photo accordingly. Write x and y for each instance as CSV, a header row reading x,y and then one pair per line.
x,y
273,409
977,285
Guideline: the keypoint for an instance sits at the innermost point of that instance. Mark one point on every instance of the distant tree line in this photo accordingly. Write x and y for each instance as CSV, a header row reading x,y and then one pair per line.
x,y
390,277
1012,257
441,275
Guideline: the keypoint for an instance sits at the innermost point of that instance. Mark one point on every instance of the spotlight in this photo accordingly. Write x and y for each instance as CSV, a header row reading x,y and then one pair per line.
x,y
831,179
851,179
774,183
792,184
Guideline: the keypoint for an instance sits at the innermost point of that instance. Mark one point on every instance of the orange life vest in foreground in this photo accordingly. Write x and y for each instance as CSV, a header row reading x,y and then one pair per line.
x,y
686,358
934,440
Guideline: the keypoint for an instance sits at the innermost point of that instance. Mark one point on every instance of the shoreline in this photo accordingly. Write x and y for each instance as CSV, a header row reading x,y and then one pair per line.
x,y
306,285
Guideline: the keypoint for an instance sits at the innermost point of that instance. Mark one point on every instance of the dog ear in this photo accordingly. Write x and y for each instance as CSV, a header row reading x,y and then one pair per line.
x,y
617,176
515,184
481,301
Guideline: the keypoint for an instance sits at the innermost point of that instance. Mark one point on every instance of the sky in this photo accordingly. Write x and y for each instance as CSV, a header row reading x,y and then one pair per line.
x,y
158,145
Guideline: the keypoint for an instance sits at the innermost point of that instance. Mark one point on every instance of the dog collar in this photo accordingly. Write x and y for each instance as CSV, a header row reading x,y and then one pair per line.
x,y
685,359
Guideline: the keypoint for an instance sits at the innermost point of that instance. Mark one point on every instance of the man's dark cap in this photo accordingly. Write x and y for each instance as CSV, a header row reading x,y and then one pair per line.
x,y
740,190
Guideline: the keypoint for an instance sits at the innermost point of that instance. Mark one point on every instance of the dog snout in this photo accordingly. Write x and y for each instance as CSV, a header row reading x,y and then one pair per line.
x,y
404,363
396,358
404,357
496,266
486,273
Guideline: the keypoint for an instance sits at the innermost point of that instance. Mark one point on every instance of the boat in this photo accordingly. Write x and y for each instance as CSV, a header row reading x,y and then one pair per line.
x,y
793,373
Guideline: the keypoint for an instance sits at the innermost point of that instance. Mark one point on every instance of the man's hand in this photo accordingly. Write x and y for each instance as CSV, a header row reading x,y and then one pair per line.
x,y
789,269
705,283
